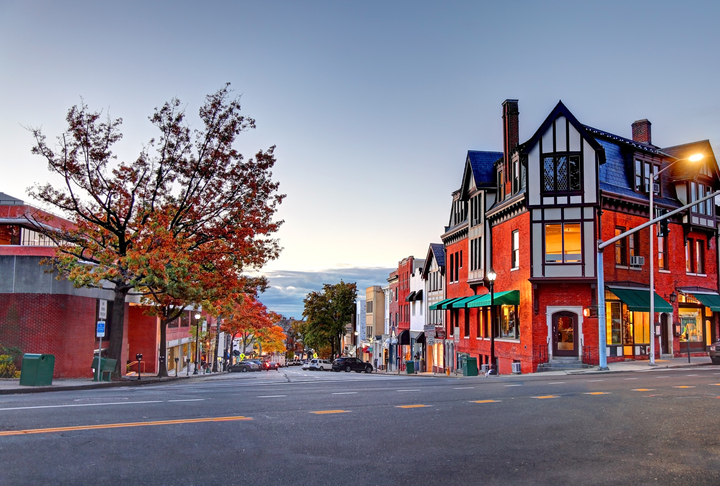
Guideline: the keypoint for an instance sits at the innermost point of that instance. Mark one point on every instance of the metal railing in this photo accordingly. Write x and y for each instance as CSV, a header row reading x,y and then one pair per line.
x,y
540,354
133,363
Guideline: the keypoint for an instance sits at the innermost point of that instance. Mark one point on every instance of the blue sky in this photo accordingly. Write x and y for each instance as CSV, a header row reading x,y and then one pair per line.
x,y
372,105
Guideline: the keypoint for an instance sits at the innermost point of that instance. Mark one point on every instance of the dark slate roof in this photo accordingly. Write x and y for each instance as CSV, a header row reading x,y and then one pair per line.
x,y
483,166
438,253
625,141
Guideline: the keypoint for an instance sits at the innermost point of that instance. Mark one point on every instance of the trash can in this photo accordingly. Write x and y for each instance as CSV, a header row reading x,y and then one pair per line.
x,y
37,369
410,367
470,366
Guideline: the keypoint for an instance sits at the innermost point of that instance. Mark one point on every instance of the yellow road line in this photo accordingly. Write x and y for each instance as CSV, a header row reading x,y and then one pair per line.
x,y
546,396
322,412
597,393
644,389
486,401
115,426
684,386
411,406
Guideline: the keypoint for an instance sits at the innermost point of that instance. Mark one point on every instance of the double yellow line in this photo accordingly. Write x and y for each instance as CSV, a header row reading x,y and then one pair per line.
x,y
116,426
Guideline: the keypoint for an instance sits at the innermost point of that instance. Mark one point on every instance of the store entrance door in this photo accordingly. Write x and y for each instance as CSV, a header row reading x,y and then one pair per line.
x,y
664,335
565,327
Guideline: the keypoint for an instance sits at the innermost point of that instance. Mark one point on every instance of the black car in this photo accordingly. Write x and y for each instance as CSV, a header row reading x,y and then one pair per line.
x,y
351,364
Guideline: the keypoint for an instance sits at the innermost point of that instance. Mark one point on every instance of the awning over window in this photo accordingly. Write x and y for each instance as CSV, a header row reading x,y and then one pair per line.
x,y
421,338
709,300
508,297
443,303
404,338
418,295
639,300
463,303
410,297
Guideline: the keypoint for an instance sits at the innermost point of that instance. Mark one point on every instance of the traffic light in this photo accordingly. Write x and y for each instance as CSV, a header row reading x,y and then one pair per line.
x,y
664,230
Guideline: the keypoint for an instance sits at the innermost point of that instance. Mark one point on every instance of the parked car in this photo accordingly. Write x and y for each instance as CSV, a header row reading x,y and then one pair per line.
x,y
258,364
242,366
351,364
320,365
715,352
306,365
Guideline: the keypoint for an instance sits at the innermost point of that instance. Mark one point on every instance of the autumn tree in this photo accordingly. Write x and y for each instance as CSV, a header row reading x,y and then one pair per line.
x,y
327,314
188,213
244,316
271,339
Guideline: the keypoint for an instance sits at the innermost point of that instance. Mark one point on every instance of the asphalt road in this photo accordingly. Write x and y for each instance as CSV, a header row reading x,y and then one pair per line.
x,y
322,428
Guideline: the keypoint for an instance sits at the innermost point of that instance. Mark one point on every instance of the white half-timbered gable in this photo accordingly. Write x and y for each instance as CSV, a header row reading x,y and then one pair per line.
x,y
562,188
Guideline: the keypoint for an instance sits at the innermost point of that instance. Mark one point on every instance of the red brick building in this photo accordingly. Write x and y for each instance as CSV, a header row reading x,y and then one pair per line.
x,y
552,199
40,314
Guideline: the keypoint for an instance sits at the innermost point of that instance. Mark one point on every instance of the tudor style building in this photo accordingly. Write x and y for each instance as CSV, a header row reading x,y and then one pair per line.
x,y
551,199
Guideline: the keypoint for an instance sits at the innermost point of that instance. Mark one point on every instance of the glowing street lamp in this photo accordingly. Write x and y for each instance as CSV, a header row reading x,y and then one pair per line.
x,y
197,342
491,276
653,235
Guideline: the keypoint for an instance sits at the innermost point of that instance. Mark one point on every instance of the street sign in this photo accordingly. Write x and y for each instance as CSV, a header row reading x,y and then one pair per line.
x,y
102,309
100,331
242,356
315,355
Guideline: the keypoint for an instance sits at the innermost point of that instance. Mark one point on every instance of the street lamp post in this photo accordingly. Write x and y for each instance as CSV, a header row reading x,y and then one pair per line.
x,y
491,276
197,342
357,334
653,235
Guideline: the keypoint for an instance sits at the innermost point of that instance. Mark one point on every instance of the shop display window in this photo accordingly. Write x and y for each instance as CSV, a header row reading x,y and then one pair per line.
x,y
615,327
508,322
690,325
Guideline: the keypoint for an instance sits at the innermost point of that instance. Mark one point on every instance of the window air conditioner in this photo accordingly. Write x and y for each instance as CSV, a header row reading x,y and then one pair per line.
x,y
516,368
656,187
637,261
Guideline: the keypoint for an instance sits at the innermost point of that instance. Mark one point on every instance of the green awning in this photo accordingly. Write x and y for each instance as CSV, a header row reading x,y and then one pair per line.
x,y
709,300
639,300
463,303
507,297
443,303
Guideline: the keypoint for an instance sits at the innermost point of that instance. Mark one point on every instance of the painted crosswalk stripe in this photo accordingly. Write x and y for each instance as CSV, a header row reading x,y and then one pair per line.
x,y
345,393
464,388
411,406
324,412
272,396
557,383
120,425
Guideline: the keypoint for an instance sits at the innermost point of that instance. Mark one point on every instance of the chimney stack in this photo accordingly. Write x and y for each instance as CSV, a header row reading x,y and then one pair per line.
x,y
641,132
511,136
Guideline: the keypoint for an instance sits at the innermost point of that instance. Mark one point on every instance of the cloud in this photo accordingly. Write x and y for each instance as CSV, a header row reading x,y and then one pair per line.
x,y
287,289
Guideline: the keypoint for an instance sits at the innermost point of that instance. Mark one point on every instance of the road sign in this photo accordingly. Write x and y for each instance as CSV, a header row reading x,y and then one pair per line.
x,y
242,356
100,329
315,355
102,309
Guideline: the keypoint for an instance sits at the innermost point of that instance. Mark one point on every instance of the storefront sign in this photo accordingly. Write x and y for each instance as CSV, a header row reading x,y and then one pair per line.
x,y
439,333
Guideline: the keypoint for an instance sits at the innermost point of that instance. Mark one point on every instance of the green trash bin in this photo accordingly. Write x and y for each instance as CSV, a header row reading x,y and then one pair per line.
x,y
410,367
37,369
470,366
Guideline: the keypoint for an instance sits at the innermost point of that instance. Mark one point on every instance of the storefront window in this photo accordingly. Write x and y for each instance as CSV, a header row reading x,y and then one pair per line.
x,y
641,324
508,322
690,325
614,329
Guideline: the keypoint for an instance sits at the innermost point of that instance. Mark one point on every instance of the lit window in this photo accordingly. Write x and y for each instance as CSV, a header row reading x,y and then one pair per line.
x,y
563,243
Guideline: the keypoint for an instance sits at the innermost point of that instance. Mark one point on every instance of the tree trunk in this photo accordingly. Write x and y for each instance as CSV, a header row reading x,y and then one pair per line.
x,y
116,329
162,363
217,346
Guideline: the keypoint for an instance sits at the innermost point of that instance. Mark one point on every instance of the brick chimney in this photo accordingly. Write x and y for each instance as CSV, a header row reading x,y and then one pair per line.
x,y
511,137
641,131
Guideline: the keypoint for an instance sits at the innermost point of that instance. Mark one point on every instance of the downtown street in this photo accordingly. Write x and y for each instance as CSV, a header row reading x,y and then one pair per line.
x,y
295,427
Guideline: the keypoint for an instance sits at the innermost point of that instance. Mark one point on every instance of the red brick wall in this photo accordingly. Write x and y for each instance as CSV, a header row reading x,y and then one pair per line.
x,y
61,325
393,307
405,267
143,338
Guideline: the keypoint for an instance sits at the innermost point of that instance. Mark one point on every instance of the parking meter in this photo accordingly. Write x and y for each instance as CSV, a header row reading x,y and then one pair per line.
x,y
177,360
138,357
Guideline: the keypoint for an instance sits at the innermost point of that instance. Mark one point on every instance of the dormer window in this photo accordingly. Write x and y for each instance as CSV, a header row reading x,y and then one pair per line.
x,y
561,173
644,172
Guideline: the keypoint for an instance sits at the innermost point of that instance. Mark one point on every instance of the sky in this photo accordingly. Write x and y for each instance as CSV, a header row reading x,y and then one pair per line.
x,y
372,105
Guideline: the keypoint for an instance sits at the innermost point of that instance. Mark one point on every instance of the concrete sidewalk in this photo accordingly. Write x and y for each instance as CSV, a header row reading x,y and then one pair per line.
x,y
617,367
12,386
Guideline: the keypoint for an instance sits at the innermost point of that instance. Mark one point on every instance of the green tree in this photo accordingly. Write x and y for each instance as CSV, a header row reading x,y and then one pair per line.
x,y
327,314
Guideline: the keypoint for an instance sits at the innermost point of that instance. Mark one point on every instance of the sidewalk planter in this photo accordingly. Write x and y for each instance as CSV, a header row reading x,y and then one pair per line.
x,y
37,369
